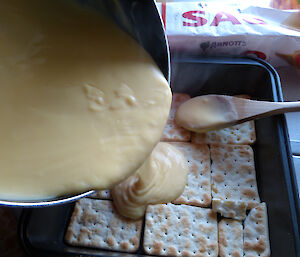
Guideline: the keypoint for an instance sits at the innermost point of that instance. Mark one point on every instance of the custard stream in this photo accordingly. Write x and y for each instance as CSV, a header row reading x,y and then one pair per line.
x,y
161,179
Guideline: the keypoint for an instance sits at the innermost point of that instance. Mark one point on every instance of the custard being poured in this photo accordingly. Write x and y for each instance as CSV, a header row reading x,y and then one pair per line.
x,y
82,104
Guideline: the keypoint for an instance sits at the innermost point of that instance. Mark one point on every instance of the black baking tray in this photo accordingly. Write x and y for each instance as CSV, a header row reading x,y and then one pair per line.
x,y
42,230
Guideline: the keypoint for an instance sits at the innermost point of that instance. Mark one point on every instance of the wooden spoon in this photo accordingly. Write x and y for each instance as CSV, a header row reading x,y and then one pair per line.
x,y
210,112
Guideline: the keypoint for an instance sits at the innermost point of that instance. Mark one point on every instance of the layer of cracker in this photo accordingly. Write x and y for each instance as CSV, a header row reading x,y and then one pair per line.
x,y
233,174
172,131
180,230
230,209
95,223
241,134
230,238
101,194
198,189
256,235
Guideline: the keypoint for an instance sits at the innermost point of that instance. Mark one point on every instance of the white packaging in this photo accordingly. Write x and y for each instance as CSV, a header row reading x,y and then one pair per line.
x,y
216,29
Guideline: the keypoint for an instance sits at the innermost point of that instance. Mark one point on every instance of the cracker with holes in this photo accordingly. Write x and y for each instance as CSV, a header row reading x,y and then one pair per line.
x,y
230,238
256,235
95,223
198,189
230,209
241,134
233,177
180,230
172,131
101,194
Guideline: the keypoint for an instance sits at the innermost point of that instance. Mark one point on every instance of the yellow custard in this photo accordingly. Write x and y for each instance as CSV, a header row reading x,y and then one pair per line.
x,y
161,179
82,104
204,113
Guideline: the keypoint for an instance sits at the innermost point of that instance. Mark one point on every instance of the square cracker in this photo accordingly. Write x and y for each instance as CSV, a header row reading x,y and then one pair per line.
x,y
101,194
198,189
95,223
233,174
172,131
180,230
256,235
230,209
241,134
230,238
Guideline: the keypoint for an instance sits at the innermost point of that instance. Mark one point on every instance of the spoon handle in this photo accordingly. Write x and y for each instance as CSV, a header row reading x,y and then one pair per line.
x,y
259,109
289,107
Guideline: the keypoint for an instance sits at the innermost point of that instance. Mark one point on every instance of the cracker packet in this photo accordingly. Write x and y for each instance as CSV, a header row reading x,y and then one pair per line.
x,y
218,29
